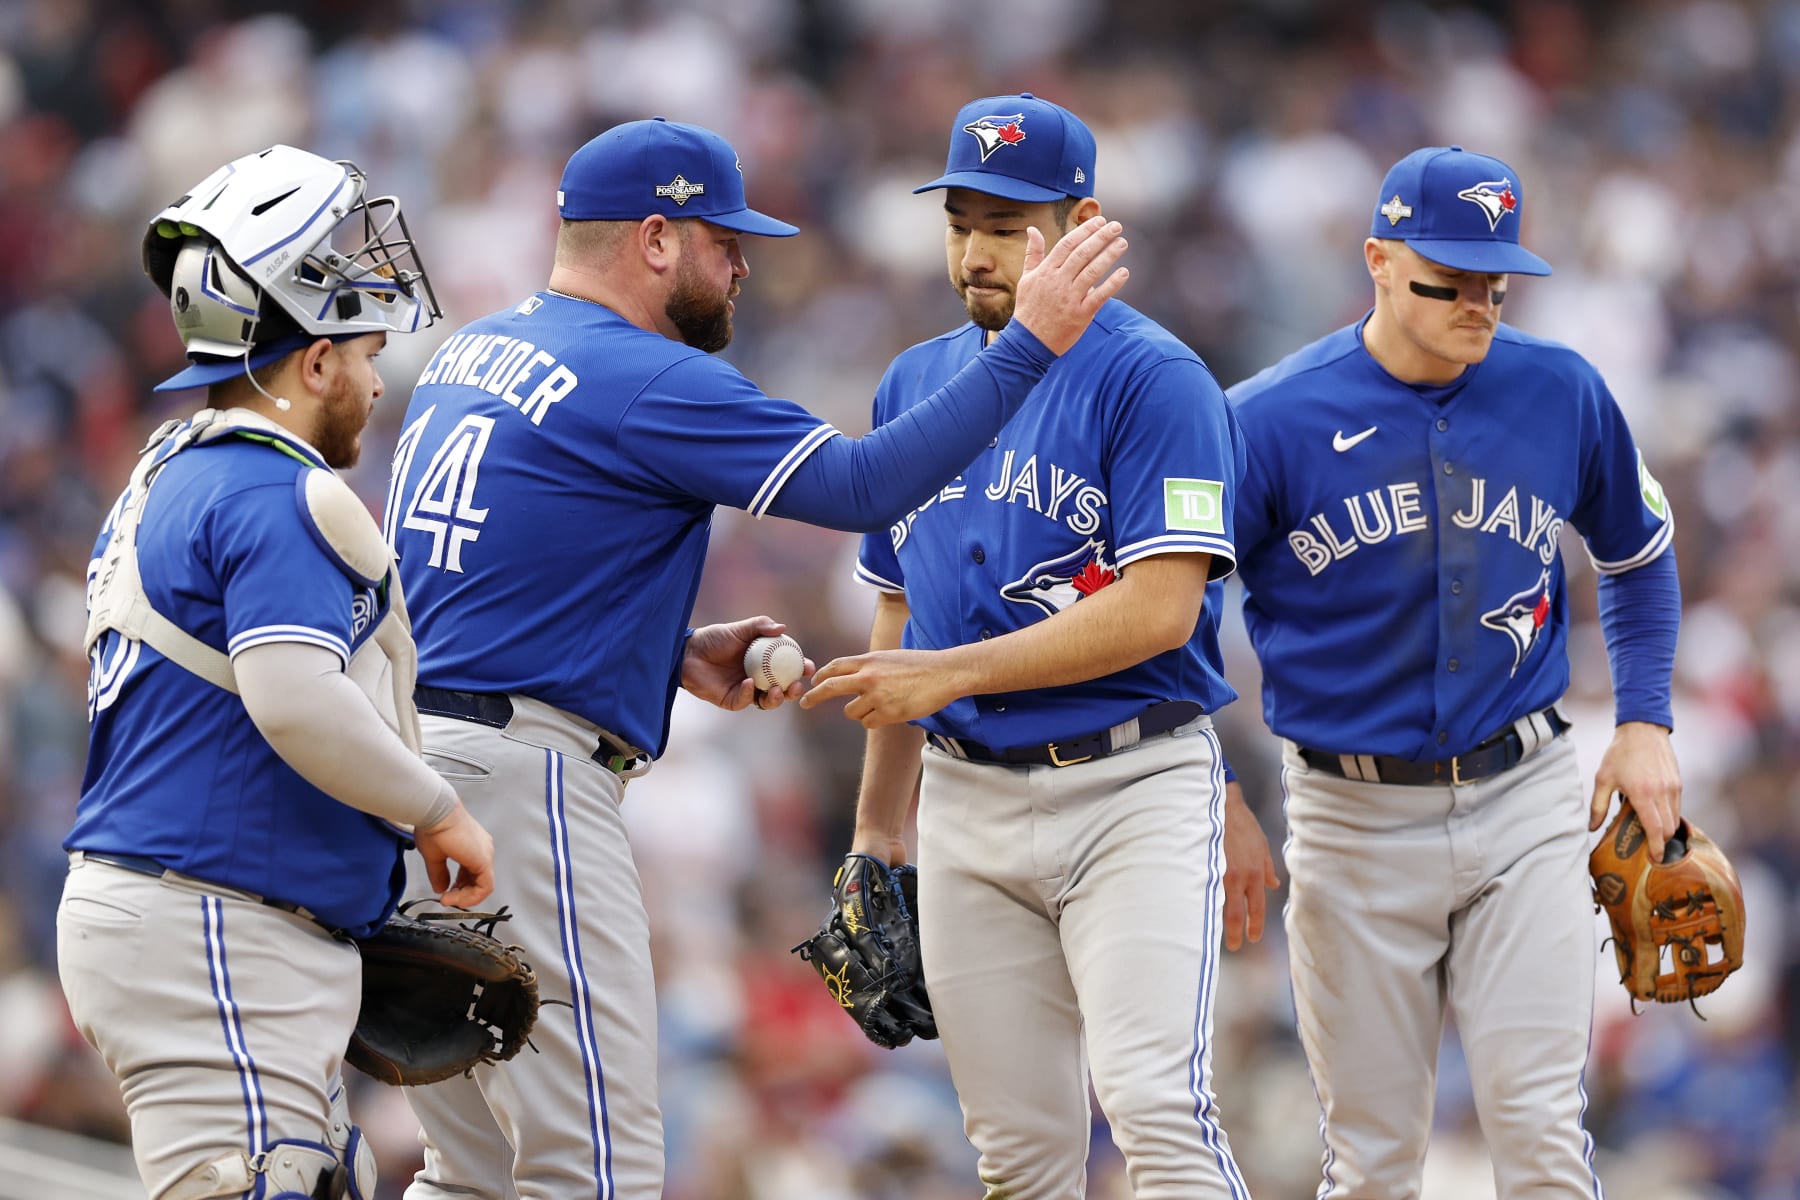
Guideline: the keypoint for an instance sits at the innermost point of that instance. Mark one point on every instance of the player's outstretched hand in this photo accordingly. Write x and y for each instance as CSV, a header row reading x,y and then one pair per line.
x,y
712,666
884,687
1249,871
461,839
1060,291
1640,764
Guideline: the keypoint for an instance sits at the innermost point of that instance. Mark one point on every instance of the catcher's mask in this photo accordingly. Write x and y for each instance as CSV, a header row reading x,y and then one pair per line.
x,y
277,247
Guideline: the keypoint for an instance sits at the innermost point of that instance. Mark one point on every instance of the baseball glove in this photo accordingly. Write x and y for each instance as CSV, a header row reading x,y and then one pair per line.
x,y
440,998
867,951
1678,925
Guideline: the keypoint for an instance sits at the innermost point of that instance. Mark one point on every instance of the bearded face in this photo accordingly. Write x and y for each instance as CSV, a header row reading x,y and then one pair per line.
x,y
698,310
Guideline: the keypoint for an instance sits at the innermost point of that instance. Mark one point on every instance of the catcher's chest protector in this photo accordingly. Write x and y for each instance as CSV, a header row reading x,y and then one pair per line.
x,y
384,666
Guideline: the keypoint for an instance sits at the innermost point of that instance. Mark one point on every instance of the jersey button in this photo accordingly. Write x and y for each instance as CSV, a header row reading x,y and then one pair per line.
x,y
1443,424
1456,587
999,708
1442,738
986,634
1449,469
1453,664
980,555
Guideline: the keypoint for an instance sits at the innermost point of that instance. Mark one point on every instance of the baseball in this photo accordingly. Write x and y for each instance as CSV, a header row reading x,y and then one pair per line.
x,y
774,662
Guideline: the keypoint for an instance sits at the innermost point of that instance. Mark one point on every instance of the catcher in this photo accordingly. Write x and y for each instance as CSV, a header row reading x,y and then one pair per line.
x,y
867,951
253,747
1677,922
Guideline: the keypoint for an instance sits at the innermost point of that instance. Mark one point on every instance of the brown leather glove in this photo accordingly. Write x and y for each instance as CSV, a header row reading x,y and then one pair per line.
x,y
1678,925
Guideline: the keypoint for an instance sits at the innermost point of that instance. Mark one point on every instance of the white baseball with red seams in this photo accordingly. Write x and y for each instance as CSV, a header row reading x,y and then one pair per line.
x,y
774,662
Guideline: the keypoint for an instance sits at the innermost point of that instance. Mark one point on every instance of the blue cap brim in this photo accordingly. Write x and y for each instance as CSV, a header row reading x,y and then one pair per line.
x,y
205,373
748,220
994,184
1483,257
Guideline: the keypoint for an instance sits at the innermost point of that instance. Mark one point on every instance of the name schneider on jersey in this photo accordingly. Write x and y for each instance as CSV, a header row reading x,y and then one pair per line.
x,y
505,367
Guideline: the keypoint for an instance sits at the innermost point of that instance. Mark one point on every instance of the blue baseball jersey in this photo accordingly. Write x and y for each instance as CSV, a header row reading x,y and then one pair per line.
x,y
1403,585
176,770
1127,450
551,499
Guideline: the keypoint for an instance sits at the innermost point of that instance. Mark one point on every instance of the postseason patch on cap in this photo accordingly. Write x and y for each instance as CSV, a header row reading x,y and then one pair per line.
x,y
680,190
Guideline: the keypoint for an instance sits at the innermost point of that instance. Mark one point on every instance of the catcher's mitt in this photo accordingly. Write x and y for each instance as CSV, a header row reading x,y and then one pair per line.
x,y
439,998
1678,925
867,951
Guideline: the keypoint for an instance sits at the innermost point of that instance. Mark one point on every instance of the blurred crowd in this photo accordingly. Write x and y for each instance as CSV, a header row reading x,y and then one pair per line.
x,y
1241,144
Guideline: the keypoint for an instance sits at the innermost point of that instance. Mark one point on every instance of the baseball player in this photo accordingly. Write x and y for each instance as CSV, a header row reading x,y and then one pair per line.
x,y
1041,626
1408,478
551,500
253,746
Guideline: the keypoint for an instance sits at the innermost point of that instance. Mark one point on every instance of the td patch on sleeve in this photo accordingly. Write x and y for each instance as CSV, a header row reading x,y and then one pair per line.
x,y
1196,505
1654,500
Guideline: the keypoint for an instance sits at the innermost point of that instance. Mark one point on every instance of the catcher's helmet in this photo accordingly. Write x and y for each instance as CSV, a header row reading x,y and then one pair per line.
x,y
278,246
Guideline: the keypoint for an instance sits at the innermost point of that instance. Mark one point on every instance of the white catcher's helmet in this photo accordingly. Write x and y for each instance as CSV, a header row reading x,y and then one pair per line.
x,y
276,248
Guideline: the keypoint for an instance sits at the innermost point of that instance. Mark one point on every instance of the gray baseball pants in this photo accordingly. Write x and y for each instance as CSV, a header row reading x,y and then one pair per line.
x,y
224,1020
1407,903
578,1118
1070,924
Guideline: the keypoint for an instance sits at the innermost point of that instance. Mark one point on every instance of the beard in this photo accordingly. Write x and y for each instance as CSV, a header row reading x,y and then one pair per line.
x,y
342,417
700,315
989,314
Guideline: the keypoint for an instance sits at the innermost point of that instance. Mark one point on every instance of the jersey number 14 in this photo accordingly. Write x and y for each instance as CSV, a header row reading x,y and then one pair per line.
x,y
442,503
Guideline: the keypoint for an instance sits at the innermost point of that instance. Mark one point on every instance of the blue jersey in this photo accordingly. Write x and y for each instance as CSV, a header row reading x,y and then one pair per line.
x,y
1128,450
176,770
552,494
1398,543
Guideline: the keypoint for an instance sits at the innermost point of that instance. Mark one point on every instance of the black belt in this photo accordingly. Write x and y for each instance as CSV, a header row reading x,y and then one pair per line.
x,y
142,865
495,709
1157,719
1505,749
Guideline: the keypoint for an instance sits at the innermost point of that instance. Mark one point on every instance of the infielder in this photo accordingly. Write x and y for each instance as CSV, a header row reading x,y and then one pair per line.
x,y
1041,625
552,496
1408,478
253,744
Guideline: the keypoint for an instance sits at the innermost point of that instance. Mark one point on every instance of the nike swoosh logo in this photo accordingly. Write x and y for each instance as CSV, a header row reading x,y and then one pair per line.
x,y
1340,443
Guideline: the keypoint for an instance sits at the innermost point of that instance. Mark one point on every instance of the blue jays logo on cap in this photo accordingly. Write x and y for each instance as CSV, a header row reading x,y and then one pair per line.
x,y
995,132
1019,148
1496,199
1451,206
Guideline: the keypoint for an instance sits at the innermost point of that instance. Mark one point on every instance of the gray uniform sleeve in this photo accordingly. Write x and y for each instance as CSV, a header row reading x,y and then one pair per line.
x,y
322,725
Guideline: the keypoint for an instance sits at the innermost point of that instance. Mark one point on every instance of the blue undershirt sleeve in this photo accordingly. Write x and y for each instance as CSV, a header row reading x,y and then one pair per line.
x,y
868,483
1640,615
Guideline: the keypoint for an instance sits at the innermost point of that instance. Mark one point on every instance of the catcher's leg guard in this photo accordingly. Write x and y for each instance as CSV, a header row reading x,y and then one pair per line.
x,y
291,1170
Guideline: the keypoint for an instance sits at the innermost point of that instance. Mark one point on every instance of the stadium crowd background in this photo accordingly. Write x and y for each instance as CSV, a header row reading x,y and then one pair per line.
x,y
1241,145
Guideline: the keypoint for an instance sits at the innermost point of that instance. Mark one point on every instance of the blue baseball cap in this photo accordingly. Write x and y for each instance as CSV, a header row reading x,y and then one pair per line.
x,y
1460,210
203,370
1019,148
641,168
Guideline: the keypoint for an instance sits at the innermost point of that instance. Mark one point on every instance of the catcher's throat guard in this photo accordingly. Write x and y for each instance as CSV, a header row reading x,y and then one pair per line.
x,y
1678,924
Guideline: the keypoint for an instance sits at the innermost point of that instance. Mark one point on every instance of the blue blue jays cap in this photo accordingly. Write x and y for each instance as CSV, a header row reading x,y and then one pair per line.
x,y
203,370
642,168
1458,209
1019,148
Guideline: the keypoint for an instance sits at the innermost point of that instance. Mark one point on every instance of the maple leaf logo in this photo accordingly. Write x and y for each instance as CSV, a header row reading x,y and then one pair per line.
x,y
1092,578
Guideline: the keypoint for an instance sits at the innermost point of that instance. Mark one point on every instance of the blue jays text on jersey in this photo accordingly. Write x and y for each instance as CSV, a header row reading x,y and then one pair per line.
x,y
177,771
1127,451
1403,584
